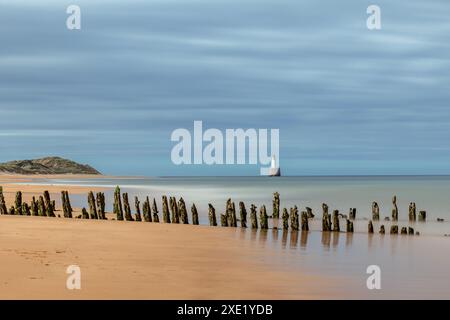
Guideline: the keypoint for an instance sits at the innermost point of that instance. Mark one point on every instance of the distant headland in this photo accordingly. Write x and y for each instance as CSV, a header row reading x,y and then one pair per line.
x,y
48,165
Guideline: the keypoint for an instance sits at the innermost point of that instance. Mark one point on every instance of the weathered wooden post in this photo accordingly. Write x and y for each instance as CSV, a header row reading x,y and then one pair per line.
x,y
174,209
223,220
127,208
309,213
370,227
84,213
100,197
352,214
264,224
326,218
412,211
92,207
25,209
53,202
294,219
194,215
410,231
382,230
69,206
48,204
18,204
349,226
155,211
166,215
404,230
63,203
137,205
118,211
253,217
422,215
3,209
375,211
41,207
147,211
230,213
336,227
183,212
305,225
285,218
394,229
243,214
34,207
212,216
276,209
395,209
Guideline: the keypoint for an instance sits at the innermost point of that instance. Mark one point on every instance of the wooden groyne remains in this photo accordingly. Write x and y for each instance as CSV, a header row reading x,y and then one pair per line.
x,y
175,211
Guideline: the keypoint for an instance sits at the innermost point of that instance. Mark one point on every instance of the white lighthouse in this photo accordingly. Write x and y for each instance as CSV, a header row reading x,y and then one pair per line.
x,y
274,169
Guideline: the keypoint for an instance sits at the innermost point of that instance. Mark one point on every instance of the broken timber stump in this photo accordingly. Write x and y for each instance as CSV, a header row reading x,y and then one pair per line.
x,y
375,211
155,211
423,216
174,209
41,207
253,217
137,205
243,214
18,204
183,212
212,215
166,215
304,217
294,219
223,220
276,209
84,213
349,226
127,208
118,211
326,218
394,229
412,212
3,209
285,218
264,224
382,230
194,215
395,209
100,197
147,211
336,227
370,227
92,207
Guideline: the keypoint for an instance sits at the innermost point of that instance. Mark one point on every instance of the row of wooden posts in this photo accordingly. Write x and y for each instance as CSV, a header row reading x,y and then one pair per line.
x,y
176,212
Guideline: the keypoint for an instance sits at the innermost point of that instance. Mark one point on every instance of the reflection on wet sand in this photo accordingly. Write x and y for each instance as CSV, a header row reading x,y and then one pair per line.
x,y
304,239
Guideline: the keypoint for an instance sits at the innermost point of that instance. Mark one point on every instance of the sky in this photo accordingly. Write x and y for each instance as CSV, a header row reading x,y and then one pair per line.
x,y
347,100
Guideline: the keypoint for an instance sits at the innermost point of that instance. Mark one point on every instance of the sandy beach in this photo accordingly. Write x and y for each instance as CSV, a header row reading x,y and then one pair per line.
x,y
126,260
121,260
138,260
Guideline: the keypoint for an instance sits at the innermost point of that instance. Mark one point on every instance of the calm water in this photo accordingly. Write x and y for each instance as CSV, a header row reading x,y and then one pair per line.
x,y
429,193
412,267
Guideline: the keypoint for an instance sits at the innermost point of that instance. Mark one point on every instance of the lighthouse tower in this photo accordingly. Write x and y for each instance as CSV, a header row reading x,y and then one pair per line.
x,y
274,170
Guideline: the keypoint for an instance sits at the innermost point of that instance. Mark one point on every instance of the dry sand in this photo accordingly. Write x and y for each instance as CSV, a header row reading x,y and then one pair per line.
x,y
130,260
